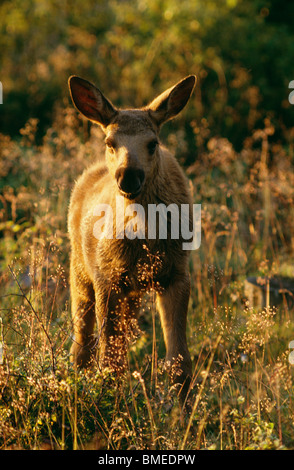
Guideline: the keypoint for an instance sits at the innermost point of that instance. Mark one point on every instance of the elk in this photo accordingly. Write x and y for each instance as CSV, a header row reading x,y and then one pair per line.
x,y
107,279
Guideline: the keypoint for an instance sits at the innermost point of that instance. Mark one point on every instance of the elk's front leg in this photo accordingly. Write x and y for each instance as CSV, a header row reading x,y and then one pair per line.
x,y
83,317
114,310
173,305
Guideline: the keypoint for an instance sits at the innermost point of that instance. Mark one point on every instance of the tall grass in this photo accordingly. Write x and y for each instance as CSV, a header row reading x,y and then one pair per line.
x,y
242,385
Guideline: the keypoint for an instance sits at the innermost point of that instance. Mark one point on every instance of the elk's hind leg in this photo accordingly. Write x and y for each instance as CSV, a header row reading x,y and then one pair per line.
x,y
83,317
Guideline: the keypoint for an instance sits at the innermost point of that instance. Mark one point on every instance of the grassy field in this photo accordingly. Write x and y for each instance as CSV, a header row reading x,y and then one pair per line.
x,y
242,394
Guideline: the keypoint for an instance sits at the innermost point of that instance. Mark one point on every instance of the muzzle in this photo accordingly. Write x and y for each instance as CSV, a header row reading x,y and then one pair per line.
x,y
130,181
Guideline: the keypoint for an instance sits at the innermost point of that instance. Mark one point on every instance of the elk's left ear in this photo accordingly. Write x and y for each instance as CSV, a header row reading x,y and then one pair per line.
x,y
172,101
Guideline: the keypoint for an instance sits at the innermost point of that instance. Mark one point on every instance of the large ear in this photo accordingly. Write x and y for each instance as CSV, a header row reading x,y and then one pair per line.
x,y
172,101
90,101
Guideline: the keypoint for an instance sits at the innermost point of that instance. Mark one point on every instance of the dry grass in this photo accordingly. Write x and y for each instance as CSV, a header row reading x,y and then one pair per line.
x,y
242,379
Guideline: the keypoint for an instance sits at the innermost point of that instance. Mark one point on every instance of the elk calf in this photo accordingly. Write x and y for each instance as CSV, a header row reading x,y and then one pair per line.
x,y
108,276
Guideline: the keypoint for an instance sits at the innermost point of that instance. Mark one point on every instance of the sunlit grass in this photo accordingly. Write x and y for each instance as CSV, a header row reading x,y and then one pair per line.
x,y
241,396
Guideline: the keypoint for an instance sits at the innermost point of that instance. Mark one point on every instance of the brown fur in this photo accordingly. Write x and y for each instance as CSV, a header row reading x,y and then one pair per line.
x,y
108,277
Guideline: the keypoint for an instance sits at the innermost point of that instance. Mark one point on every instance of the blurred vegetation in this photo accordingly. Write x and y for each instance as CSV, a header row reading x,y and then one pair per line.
x,y
242,52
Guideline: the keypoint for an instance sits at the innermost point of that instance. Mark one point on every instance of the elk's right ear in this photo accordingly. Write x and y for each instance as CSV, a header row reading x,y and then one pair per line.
x,y
90,101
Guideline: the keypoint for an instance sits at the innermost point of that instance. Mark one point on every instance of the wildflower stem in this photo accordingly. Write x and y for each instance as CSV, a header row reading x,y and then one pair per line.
x,y
199,394
37,317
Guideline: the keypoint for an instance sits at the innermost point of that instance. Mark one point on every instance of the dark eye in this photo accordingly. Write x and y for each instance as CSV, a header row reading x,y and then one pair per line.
x,y
110,145
152,146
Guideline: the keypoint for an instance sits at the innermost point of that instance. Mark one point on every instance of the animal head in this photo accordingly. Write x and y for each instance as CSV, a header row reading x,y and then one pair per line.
x,y
132,142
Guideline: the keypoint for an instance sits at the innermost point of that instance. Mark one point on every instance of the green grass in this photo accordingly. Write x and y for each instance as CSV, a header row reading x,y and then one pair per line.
x,y
242,379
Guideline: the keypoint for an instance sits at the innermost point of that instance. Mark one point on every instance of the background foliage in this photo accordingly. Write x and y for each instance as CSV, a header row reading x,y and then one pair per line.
x,y
242,52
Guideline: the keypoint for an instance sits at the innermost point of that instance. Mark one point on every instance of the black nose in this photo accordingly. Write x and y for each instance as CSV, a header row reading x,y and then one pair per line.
x,y
130,181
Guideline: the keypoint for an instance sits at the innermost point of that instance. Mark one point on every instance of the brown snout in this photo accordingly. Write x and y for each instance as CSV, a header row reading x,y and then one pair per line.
x,y
130,181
